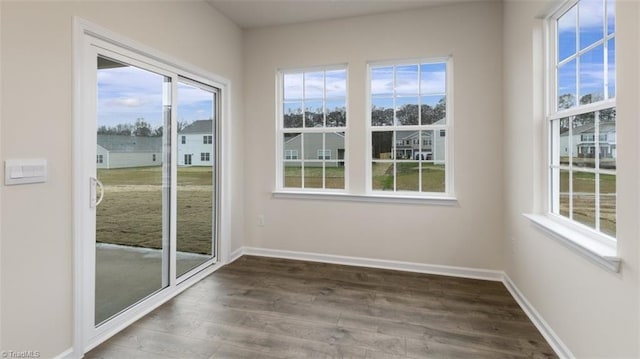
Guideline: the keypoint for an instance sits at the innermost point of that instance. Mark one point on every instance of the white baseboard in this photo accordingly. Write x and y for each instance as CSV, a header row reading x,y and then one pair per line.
x,y
473,273
451,271
552,338
67,354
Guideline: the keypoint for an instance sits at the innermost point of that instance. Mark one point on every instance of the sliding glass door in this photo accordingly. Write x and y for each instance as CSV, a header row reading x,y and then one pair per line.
x,y
153,183
133,163
196,175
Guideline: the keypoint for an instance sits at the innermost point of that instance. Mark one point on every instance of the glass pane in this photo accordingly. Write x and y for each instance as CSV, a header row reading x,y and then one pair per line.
x,y
591,18
608,204
567,85
382,112
433,110
336,112
313,114
564,193
566,142
592,76
313,174
334,146
336,83
334,174
611,68
293,174
382,81
567,34
407,111
433,177
382,176
407,80
607,139
195,200
583,141
133,110
314,85
408,176
584,198
313,143
432,145
293,87
381,145
433,79
407,145
611,16
292,115
292,143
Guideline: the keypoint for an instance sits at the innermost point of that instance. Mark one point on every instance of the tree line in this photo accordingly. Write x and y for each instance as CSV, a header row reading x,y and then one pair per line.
x,y
140,128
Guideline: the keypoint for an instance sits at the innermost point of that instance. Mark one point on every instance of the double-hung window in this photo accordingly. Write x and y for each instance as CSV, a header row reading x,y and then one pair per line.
x,y
582,115
312,125
410,127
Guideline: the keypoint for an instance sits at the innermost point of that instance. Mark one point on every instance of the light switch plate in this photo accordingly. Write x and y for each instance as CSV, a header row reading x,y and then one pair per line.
x,y
23,171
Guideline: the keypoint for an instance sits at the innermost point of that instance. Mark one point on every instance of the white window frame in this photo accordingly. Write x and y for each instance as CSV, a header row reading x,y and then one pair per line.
x,y
207,140
280,131
595,246
100,159
449,192
183,139
554,115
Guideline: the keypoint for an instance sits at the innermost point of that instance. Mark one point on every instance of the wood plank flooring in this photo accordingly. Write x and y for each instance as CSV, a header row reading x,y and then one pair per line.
x,y
276,308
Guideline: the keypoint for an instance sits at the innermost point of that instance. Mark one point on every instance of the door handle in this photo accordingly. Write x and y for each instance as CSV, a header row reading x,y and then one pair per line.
x,y
95,183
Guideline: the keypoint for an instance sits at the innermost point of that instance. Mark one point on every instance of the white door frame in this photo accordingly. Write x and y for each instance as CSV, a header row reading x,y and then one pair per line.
x,y
86,38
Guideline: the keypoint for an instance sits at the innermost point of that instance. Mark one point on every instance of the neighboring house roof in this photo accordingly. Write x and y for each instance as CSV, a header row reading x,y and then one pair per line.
x,y
198,127
130,144
337,134
605,127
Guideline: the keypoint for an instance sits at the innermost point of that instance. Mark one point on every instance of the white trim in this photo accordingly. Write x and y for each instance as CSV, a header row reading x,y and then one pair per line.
x,y
85,34
545,329
371,198
67,354
596,250
452,271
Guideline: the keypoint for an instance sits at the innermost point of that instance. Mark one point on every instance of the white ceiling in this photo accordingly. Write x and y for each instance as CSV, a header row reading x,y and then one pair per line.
x,y
258,13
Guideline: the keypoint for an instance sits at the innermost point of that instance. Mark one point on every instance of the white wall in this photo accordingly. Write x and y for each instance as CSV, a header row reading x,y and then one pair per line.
x,y
36,44
466,235
593,311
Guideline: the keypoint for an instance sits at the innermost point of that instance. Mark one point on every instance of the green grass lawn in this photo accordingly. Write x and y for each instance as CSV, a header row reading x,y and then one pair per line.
x,y
334,177
131,211
584,199
408,179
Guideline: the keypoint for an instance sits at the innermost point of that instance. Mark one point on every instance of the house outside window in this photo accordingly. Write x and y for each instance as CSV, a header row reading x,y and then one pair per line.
x,y
312,125
582,116
291,154
408,118
324,154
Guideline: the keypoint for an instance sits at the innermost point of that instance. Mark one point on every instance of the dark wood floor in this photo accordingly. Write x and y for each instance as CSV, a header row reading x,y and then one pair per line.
x,y
275,308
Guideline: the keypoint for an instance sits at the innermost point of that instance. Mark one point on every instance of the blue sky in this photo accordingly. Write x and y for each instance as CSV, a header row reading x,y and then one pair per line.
x,y
128,93
585,22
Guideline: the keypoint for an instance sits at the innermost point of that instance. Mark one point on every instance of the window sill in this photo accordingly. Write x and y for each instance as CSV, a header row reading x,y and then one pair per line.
x,y
372,198
584,244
